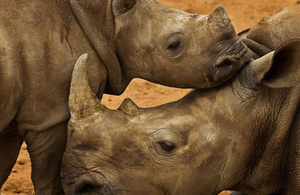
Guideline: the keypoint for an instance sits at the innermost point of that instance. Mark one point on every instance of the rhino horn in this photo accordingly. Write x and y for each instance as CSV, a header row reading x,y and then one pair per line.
x,y
129,107
220,13
82,100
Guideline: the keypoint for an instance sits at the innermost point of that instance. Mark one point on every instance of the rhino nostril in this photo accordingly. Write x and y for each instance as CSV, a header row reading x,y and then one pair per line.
x,y
87,189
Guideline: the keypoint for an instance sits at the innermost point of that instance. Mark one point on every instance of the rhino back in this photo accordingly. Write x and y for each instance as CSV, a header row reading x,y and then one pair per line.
x,y
276,29
40,42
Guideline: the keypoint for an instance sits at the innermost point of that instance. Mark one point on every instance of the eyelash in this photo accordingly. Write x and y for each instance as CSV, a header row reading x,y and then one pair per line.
x,y
174,45
167,146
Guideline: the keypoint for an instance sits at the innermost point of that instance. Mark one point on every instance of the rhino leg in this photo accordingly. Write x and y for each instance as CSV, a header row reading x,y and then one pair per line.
x,y
46,149
10,143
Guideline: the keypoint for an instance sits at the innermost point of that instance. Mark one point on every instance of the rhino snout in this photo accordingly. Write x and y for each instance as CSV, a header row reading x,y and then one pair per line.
x,y
232,60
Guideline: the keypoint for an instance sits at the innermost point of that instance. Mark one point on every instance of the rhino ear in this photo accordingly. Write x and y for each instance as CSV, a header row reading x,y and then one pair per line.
x,y
280,68
120,7
129,107
285,71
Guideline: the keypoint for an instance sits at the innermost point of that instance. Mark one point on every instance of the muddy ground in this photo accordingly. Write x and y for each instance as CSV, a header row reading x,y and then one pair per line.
x,y
244,14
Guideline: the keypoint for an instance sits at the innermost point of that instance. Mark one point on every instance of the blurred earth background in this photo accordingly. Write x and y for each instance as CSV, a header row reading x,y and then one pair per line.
x,y
243,13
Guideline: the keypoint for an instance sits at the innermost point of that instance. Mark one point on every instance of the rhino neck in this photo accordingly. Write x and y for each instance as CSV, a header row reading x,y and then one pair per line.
x,y
96,20
270,155
292,169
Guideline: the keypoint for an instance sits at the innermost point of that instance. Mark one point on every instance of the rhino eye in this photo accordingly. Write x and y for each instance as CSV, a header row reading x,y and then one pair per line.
x,y
167,146
174,46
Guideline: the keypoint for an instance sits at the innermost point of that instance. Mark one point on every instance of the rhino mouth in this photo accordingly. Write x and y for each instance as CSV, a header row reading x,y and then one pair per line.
x,y
234,58
91,183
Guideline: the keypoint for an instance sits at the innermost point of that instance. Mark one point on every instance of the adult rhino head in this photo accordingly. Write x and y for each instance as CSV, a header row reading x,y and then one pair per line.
x,y
240,136
144,39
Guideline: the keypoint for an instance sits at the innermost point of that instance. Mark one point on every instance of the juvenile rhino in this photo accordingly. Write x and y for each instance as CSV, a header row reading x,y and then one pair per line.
x,y
40,41
240,136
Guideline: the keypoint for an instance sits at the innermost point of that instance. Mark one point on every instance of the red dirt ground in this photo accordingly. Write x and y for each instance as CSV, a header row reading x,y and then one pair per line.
x,y
244,14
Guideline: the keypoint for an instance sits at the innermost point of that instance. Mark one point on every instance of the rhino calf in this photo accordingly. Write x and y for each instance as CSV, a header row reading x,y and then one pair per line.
x,y
240,136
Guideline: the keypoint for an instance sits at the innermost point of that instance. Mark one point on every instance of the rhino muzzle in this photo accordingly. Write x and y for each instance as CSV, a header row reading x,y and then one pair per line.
x,y
234,59
233,54
81,183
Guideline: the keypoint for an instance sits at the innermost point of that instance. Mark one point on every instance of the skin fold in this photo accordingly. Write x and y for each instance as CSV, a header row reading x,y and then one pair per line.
x,y
41,40
239,136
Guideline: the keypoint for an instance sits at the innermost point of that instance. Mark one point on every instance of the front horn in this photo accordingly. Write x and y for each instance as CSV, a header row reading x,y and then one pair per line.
x,y
82,100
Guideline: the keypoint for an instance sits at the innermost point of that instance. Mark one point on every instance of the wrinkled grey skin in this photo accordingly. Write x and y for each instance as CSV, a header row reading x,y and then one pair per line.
x,y
273,31
240,136
41,40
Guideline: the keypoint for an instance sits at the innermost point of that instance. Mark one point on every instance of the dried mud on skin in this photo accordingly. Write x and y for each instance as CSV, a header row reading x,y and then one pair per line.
x,y
244,14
